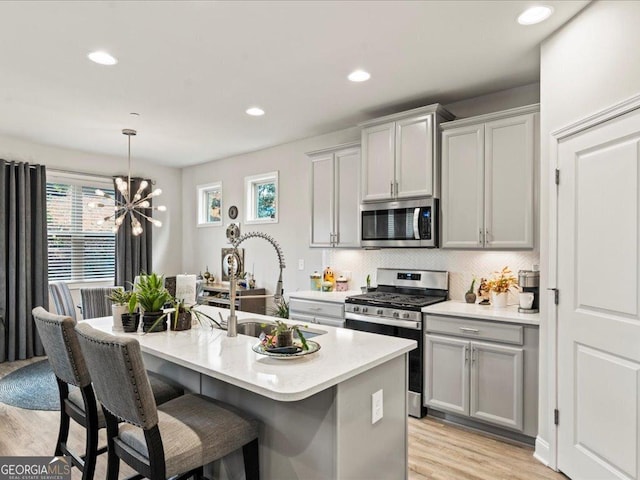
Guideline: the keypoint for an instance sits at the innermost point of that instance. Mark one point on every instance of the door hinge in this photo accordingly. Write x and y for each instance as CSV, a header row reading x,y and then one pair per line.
x,y
556,416
557,176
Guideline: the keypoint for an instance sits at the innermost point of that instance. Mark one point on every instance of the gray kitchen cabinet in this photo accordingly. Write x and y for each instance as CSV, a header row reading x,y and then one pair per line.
x,y
335,196
484,371
400,154
319,312
488,165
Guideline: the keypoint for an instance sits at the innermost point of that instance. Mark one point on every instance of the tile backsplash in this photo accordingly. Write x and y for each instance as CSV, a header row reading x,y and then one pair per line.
x,y
462,265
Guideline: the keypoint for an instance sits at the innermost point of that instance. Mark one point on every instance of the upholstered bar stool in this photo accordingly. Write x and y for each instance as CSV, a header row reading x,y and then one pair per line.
x,y
62,299
65,357
95,303
174,439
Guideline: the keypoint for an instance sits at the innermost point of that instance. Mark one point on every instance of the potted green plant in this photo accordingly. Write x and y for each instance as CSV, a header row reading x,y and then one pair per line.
x,y
183,316
280,308
152,296
499,286
470,296
131,318
119,299
282,335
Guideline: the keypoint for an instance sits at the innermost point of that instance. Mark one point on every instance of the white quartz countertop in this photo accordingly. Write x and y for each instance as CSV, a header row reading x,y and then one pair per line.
x,y
457,308
343,354
333,297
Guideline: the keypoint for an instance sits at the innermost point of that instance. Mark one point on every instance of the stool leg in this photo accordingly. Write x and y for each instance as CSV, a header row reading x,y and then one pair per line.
x,y
91,449
63,432
113,462
251,460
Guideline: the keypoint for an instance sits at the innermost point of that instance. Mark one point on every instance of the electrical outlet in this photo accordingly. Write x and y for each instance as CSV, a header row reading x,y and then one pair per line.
x,y
301,264
376,407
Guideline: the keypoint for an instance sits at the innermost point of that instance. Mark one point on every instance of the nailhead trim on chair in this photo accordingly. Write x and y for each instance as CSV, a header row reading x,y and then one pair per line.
x,y
131,379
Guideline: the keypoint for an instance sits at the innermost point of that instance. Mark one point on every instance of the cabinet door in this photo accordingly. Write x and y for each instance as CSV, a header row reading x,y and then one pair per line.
x,y
414,157
446,385
322,200
509,154
497,384
347,213
463,187
378,162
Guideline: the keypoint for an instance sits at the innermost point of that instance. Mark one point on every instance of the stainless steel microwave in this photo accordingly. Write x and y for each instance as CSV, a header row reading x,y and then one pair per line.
x,y
409,223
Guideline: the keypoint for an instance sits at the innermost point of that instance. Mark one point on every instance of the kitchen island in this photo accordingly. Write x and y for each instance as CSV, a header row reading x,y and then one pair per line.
x,y
316,411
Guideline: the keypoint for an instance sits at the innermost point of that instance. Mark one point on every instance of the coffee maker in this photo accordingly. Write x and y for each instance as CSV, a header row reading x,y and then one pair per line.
x,y
529,281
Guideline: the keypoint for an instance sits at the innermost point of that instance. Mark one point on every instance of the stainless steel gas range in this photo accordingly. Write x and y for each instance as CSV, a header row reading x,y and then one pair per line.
x,y
395,309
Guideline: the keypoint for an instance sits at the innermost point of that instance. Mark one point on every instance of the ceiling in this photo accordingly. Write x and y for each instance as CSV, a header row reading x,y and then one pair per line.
x,y
191,69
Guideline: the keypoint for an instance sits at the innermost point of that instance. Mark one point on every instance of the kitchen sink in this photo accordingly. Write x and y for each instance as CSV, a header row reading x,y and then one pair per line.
x,y
254,328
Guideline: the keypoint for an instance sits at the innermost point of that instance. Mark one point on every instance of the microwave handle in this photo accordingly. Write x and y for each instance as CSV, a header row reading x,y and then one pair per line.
x,y
416,221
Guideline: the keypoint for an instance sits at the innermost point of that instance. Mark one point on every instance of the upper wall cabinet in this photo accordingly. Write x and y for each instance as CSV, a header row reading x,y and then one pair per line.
x,y
335,196
488,183
400,154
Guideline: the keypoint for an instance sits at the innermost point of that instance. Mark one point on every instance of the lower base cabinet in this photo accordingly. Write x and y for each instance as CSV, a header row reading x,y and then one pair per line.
x,y
486,381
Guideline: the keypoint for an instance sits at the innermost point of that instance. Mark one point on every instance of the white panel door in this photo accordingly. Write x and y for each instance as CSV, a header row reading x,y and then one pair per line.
x,y
414,157
508,169
322,200
378,162
599,308
347,220
463,187
497,384
446,370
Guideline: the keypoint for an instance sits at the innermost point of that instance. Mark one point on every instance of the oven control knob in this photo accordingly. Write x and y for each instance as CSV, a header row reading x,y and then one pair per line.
x,y
356,309
405,315
396,314
380,311
365,309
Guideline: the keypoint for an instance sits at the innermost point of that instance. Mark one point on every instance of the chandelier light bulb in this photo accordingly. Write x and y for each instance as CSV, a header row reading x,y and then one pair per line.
x,y
156,222
144,204
156,192
161,208
143,184
119,220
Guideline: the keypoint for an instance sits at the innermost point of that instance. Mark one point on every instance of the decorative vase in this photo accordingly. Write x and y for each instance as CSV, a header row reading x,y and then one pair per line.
x,y
285,339
116,313
499,300
130,322
470,297
183,322
151,322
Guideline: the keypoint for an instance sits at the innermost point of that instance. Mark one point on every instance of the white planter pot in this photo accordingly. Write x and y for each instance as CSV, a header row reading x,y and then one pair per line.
x,y
499,300
117,311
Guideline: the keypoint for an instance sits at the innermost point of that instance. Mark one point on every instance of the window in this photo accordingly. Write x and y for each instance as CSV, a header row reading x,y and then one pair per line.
x,y
210,204
261,193
79,248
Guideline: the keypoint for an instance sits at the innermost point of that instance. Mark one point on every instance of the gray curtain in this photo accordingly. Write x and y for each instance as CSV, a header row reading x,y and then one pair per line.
x,y
133,254
23,257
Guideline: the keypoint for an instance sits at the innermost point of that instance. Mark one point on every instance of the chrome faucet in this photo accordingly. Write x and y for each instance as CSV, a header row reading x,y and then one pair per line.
x,y
232,321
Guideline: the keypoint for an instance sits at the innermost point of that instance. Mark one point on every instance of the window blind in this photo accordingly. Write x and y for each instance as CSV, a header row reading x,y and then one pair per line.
x,y
79,248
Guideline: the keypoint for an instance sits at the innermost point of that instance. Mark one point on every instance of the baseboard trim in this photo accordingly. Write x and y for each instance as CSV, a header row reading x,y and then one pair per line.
x,y
542,451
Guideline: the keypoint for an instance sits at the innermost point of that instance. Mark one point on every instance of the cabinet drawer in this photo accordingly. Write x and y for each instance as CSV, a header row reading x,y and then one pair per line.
x,y
462,327
324,309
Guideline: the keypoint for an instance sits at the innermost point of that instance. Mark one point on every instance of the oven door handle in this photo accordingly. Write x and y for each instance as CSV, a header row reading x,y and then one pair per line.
x,y
416,223
384,321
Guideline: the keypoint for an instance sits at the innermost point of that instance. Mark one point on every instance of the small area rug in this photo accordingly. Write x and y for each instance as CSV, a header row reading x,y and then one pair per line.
x,y
32,387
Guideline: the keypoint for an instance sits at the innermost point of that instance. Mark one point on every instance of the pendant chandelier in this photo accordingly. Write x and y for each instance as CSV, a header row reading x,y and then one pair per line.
x,y
131,205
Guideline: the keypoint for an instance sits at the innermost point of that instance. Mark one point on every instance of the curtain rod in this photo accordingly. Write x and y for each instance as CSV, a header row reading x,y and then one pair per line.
x,y
75,172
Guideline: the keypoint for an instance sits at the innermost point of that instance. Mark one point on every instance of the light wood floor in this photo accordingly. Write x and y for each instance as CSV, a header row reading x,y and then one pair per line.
x,y
437,450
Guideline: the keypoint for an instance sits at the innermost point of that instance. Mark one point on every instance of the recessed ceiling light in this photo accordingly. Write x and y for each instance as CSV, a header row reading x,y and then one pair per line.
x,y
255,111
103,58
535,14
359,76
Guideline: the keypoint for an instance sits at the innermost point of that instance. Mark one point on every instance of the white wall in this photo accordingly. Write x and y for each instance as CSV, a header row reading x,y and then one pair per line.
x,y
167,240
201,246
588,65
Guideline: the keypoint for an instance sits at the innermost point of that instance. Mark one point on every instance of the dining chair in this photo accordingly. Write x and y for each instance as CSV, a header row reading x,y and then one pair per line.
x,y
68,364
95,301
174,439
62,299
